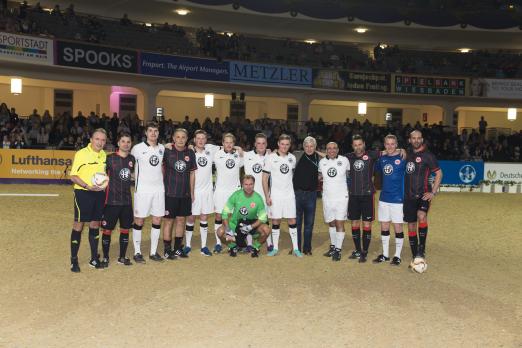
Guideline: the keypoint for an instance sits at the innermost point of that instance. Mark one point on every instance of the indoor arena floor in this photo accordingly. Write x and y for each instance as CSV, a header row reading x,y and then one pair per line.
x,y
470,296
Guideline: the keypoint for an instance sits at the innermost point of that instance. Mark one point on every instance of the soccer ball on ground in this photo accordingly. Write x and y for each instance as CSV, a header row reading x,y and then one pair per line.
x,y
100,180
419,265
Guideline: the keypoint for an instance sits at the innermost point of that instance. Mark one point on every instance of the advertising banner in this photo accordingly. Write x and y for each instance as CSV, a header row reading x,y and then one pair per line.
x,y
461,172
412,84
351,81
503,172
87,56
183,67
27,49
496,88
35,165
270,74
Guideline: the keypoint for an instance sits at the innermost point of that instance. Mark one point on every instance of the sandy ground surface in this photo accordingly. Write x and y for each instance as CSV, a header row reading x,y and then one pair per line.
x,y
471,295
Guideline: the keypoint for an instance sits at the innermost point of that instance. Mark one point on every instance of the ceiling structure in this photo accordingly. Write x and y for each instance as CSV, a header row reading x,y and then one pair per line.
x,y
224,17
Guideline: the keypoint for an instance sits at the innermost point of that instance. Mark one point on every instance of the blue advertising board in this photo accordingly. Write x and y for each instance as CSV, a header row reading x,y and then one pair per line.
x,y
461,172
270,74
183,67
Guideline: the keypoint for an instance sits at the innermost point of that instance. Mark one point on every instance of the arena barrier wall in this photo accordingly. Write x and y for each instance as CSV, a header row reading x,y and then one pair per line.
x,y
35,166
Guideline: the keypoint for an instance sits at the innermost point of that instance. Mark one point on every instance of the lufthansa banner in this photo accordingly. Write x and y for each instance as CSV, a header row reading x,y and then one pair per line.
x,y
270,74
27,49
429,85
461,172
35,165
351,80
503,172
183,67
87,56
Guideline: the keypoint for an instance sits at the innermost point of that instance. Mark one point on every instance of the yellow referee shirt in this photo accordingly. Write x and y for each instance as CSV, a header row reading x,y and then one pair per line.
x,y
86,163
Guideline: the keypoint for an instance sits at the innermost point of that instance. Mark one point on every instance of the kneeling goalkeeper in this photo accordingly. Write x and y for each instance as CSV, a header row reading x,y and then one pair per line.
x,y
244,214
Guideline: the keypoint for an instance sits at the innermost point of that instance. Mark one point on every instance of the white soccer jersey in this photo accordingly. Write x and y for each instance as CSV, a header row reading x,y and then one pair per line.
x,y
281,170
254,163
227,165
204,173
334,177
148,172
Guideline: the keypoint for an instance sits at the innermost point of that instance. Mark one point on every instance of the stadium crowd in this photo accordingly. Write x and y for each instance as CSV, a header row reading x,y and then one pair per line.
x,y
208,42
68,132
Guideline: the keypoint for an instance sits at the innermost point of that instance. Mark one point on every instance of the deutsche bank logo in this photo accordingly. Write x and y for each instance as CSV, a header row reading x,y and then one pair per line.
x,y
467,173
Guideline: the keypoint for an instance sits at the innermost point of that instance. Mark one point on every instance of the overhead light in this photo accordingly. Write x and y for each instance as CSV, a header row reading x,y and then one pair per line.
x,y
512,114
383,45
182,11
209,101
148,24
464,50
229,34
16,85
361,108
310,41
361,30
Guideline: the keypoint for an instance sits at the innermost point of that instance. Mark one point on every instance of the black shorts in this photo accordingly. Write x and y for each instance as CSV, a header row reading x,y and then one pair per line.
x,y
88,205
411,206
361,207
177,206
113,213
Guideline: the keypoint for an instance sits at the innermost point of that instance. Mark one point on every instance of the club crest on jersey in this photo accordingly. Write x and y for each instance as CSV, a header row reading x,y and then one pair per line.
x,y
130,164
104,223
418,160
161,152
252,205
339,163
284,168
388,169
410,167
187,158
257,168
230,163
397,161
125,174
154,160
331,172
243,211
358,165
365,157
180,166
235,155
202,161
290,159
207,153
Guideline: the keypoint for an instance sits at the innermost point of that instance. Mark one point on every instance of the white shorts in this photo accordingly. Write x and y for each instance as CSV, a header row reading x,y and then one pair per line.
x,y
283,208
203,202
335,209
220,199
149,203
390,212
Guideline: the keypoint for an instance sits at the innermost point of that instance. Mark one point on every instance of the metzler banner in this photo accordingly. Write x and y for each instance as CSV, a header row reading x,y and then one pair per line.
x,y
461,172
270,74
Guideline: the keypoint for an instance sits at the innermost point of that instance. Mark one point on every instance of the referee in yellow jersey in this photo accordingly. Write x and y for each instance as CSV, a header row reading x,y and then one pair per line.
x,y
88,198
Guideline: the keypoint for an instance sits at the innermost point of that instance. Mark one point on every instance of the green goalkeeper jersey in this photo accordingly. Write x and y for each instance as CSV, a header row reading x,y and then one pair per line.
x,y
244,208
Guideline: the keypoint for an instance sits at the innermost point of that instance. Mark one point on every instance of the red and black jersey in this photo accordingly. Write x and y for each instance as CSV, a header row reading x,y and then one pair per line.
x,y
419,166
178,165
361,172
119,170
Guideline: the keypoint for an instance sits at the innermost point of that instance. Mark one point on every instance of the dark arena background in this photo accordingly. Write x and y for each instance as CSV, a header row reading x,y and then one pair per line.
x,y
317,68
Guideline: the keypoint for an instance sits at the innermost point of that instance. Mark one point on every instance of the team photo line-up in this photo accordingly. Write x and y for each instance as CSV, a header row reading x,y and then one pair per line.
x,y
173,184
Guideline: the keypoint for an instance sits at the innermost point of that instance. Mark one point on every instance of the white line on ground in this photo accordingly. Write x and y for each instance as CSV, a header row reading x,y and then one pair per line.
x,y
30,194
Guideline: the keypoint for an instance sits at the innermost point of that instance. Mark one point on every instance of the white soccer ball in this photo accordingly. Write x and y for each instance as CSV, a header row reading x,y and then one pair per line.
x,y
100,180
419,265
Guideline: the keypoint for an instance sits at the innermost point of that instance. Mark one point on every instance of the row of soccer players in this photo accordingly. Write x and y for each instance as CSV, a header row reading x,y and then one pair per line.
x,y
182,189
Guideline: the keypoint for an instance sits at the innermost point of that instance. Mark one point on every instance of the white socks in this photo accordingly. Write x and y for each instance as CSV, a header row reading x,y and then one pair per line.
x,y
339,240
189,230
293,236
249,239
275,237
398,246
154,238
216,227
385,244
203,230
136,240
333,236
